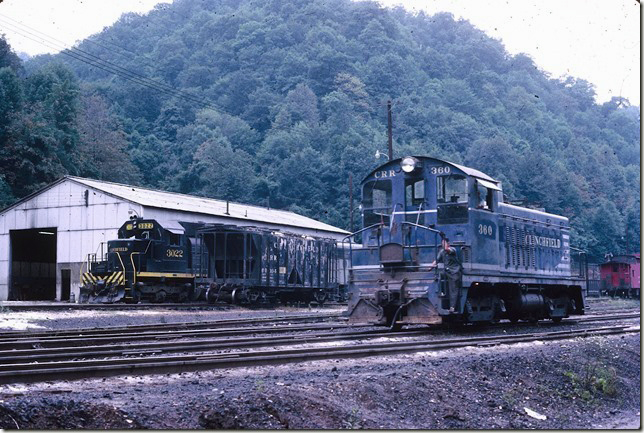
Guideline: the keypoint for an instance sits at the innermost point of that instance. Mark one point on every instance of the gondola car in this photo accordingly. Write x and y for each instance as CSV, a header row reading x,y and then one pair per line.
x,y
517,263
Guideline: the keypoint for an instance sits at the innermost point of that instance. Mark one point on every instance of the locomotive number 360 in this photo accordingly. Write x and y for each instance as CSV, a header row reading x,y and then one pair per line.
x,y
486,230
440,170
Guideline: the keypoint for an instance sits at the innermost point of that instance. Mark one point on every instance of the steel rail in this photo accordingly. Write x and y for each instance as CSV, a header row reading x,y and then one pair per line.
x,y
15,355
82,306
605,317
9,305
76,339
149,348
82,340
28,373
166,326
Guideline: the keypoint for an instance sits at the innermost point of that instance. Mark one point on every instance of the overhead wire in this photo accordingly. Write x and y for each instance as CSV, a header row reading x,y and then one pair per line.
x,y
99,63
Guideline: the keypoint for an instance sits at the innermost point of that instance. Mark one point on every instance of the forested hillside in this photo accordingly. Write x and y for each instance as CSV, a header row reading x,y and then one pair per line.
x,y
276,102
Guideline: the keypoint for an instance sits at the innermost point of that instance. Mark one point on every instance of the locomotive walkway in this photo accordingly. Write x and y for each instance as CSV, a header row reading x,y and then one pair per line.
x,y
27,360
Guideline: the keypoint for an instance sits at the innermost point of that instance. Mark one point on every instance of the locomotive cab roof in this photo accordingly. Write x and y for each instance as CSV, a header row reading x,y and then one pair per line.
x,y
141,228
396,164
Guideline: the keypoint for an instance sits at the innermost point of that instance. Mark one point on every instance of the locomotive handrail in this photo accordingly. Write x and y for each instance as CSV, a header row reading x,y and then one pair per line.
x,y
360,231
349,236
429,229
138,253
422,227
438,232
420,207
120,260
584,254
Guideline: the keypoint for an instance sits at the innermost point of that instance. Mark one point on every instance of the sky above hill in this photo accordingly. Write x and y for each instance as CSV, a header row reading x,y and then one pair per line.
x,y
597,40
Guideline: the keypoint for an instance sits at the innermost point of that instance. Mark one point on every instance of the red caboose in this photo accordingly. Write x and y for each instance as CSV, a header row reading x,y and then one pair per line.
x,y
620,276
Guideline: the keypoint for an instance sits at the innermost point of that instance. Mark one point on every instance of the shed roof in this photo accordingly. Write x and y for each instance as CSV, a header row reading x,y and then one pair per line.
x,y
190,203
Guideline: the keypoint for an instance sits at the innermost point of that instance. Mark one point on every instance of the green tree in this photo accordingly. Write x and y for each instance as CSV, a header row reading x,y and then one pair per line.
x,y
103,143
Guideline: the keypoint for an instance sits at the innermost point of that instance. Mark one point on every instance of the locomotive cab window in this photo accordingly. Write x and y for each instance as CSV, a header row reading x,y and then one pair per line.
x,y
451,198
175,239
451,189
484,197
414,192
377,202
485,194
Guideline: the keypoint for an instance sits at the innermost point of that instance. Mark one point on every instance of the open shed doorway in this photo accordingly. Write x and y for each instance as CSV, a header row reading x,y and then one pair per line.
x,y
33,265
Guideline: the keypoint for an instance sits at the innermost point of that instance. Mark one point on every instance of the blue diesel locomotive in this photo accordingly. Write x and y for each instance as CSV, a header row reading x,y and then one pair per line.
x,y
517,263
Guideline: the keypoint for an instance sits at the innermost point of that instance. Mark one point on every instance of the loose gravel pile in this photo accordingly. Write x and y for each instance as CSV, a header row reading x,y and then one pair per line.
x,y
572,384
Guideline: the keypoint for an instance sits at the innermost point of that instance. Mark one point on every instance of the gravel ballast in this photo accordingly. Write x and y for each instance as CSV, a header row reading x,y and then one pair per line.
x,y
573,384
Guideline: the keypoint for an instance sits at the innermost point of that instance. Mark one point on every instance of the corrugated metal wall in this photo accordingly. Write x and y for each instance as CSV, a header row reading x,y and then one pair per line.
x,y
83,220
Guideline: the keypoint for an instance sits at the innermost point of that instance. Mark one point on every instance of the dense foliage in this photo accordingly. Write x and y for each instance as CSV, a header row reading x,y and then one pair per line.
x,y
281,100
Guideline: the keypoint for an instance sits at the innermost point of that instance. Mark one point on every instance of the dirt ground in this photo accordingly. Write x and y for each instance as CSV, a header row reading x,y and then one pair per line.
x,y
572,384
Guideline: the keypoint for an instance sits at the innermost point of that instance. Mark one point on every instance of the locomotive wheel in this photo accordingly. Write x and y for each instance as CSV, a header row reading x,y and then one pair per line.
x,y
160,296
253,296
239,295
319,296
212,294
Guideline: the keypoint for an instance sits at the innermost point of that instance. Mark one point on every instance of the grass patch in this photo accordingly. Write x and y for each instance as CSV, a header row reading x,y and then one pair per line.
x,y
594,381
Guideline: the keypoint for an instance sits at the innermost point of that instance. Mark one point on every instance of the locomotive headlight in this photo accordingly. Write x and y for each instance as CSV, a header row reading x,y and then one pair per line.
x,y
408,164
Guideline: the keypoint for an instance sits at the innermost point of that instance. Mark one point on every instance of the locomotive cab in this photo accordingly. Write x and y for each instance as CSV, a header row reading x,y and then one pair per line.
x,y
515,261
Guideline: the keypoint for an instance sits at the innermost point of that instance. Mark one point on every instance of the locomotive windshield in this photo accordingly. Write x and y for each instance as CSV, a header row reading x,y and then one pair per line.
x,y
451,189
414,192
376,200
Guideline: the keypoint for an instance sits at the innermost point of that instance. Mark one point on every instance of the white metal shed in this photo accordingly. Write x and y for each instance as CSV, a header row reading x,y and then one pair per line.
x,y
46,236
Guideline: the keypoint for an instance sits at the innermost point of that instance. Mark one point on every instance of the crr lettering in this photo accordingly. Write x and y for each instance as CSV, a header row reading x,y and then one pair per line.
x,y
383,173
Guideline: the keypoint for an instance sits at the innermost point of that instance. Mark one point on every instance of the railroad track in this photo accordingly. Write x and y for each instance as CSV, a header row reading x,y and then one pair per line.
x,y
44,349
160,335
35,306
166,327
31,306
76,369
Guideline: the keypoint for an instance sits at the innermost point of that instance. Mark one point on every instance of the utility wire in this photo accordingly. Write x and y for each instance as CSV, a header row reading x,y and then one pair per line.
x,y
102,64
